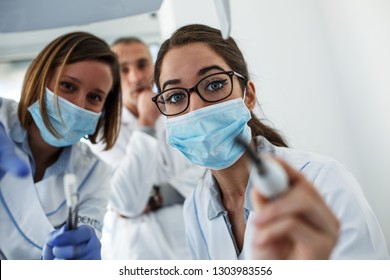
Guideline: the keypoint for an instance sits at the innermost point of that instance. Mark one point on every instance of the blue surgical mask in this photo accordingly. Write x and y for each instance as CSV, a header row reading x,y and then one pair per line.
x,y
68,119
207,136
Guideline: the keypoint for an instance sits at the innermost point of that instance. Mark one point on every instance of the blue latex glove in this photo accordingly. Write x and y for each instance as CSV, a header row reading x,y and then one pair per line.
x,y
9,161
79,244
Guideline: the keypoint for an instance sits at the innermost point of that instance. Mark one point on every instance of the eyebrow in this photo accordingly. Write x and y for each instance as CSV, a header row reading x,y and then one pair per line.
x,y
201,72
144,59
140,60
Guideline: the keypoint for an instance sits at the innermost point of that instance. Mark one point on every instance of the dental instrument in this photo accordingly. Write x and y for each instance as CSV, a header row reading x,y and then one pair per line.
x,y
270,180
72,198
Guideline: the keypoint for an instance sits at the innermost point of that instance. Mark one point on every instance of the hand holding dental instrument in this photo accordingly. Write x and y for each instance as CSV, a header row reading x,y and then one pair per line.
x,y
72,198
271,179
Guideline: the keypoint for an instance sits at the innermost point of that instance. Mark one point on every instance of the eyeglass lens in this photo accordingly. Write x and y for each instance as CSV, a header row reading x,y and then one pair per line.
x,y
212,88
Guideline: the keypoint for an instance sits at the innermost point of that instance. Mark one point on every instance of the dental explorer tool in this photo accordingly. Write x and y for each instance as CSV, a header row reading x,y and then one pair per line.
x,y
271,179
72,199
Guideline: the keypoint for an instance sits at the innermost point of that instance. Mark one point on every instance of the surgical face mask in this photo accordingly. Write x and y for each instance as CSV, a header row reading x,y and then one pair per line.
x,y
68,119
207,136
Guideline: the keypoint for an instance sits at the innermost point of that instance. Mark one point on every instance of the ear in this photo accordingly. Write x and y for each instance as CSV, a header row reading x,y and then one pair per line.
x,y
250,98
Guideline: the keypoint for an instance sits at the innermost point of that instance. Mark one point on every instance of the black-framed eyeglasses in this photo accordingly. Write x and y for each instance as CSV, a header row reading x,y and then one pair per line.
x,y
212,88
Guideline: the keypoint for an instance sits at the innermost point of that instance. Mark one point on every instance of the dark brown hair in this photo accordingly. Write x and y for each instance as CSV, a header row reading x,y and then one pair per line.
x,y
229,51
67,49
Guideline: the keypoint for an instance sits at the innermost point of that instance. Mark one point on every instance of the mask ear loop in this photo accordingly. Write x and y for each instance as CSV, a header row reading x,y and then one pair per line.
x,y
244,97
244,94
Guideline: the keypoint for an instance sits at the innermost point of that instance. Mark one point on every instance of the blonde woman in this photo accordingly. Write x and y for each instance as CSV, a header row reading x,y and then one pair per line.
x,y
71,90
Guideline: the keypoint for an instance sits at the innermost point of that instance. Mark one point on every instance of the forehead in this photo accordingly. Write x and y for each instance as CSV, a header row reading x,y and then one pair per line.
x,y
186,61
132,52
90,73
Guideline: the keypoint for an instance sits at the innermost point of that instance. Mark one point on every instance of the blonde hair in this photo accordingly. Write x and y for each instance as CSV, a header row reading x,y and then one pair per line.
x,y
67,49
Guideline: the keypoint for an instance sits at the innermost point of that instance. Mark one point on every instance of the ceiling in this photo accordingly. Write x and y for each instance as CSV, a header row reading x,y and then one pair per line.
x,y
22,37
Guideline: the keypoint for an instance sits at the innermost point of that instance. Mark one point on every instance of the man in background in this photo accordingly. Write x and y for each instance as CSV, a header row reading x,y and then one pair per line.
x,y
150,179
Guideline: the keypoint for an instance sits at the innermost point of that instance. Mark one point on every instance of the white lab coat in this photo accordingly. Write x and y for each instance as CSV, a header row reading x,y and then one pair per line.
x,y
30,211
140,161
360,235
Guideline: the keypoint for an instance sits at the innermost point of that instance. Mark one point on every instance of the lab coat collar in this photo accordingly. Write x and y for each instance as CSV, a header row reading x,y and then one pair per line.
x,y
61,164
17,133
25,212
263,145
127,116
19,136
215,207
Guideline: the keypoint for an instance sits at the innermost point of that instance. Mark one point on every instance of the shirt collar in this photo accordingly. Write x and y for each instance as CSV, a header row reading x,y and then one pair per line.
x,y
215,207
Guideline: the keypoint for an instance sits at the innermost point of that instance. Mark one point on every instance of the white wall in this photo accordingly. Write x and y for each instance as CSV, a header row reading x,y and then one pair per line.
x,y
359,34
322,70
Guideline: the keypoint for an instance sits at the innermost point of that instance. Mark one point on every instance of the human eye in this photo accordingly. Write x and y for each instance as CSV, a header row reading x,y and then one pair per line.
x,y
124,70
68,86
215,84
95,98
174,96
142,64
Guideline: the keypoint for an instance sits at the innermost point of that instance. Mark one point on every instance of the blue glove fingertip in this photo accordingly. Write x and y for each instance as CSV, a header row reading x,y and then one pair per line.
x,y
56,234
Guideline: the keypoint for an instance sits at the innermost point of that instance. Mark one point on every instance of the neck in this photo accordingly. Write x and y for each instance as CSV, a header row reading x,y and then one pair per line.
x,y
43,154
232,182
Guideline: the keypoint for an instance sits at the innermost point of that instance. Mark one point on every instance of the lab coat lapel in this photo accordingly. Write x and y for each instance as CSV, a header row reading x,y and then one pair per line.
x,y
81,163
218,241
219,234
220,245
246,253
22,217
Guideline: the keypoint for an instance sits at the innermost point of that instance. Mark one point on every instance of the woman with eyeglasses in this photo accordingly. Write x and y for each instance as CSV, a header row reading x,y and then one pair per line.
x,y
71,90
207,95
